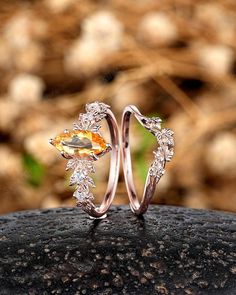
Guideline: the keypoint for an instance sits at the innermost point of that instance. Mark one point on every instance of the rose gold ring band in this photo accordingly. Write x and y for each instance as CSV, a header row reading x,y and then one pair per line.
x,y
163,153
100,212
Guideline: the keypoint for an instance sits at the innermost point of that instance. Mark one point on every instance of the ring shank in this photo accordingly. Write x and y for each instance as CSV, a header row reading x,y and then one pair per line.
x,y
150,185
99,212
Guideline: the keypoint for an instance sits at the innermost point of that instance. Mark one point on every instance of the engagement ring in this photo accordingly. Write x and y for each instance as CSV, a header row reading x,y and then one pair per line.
x,y
82,146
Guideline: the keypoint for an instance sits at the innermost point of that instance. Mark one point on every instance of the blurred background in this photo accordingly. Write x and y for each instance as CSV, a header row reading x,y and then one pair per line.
x,y
174,59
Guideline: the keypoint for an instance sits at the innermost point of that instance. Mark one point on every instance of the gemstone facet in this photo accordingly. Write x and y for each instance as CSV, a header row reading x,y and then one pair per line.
x,y
80,143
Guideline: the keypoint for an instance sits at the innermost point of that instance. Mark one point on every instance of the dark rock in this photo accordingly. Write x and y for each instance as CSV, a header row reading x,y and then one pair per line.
x,y
169,251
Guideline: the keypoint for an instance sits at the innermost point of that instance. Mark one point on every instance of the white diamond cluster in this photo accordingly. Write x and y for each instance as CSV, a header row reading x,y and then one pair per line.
x,y
81,178
165,150
95,112
82,169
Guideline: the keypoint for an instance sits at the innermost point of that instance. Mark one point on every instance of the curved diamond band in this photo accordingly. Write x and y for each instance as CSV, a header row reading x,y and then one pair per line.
x,y
162,154
82,146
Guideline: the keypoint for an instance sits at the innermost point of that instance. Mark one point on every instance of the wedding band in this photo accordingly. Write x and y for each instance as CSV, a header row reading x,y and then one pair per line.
x,y
82,146
162,154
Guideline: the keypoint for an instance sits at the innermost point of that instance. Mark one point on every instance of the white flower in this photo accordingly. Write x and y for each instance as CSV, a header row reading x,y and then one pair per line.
x,y
157,29
101,35
216,59
23,29
83,57
58,6
18,31
221,154
104,29
26,88
19,46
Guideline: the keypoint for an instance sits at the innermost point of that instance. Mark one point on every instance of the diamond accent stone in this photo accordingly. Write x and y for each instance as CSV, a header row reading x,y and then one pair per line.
x,y
96,111
153,124
77,177
165,150
81,165
86,122
169,152
82,196
97,108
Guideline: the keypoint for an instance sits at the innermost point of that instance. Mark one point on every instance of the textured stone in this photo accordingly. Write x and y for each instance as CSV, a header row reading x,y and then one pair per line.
x,y
169,251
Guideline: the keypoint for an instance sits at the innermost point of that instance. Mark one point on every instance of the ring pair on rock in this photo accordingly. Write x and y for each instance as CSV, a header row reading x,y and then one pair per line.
x,y
84,144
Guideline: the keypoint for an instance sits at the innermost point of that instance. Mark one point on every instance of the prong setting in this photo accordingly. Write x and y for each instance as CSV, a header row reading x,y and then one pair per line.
x,y
108,147
65,155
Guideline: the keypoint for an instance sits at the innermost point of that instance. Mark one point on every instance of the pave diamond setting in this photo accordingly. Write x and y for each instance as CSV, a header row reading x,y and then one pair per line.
x,y
82,146
165,149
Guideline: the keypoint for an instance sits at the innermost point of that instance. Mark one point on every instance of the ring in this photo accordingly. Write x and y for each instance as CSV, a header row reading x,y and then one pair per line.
x,y
162,154
82,146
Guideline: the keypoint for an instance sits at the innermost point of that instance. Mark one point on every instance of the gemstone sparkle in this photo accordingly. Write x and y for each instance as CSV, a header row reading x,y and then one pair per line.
x,y
80,143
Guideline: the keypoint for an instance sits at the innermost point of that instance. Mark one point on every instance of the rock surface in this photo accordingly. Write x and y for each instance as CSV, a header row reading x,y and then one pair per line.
x,y
170,250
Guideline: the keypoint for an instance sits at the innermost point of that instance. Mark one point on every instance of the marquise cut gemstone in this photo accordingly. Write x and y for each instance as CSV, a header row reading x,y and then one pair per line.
x,y
80,143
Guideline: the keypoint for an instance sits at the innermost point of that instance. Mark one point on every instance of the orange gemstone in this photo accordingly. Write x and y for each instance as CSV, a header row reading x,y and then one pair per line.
x,y
80,143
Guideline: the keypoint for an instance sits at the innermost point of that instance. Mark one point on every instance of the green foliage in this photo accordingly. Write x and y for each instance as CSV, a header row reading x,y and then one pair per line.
x,y
147,142
34,170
